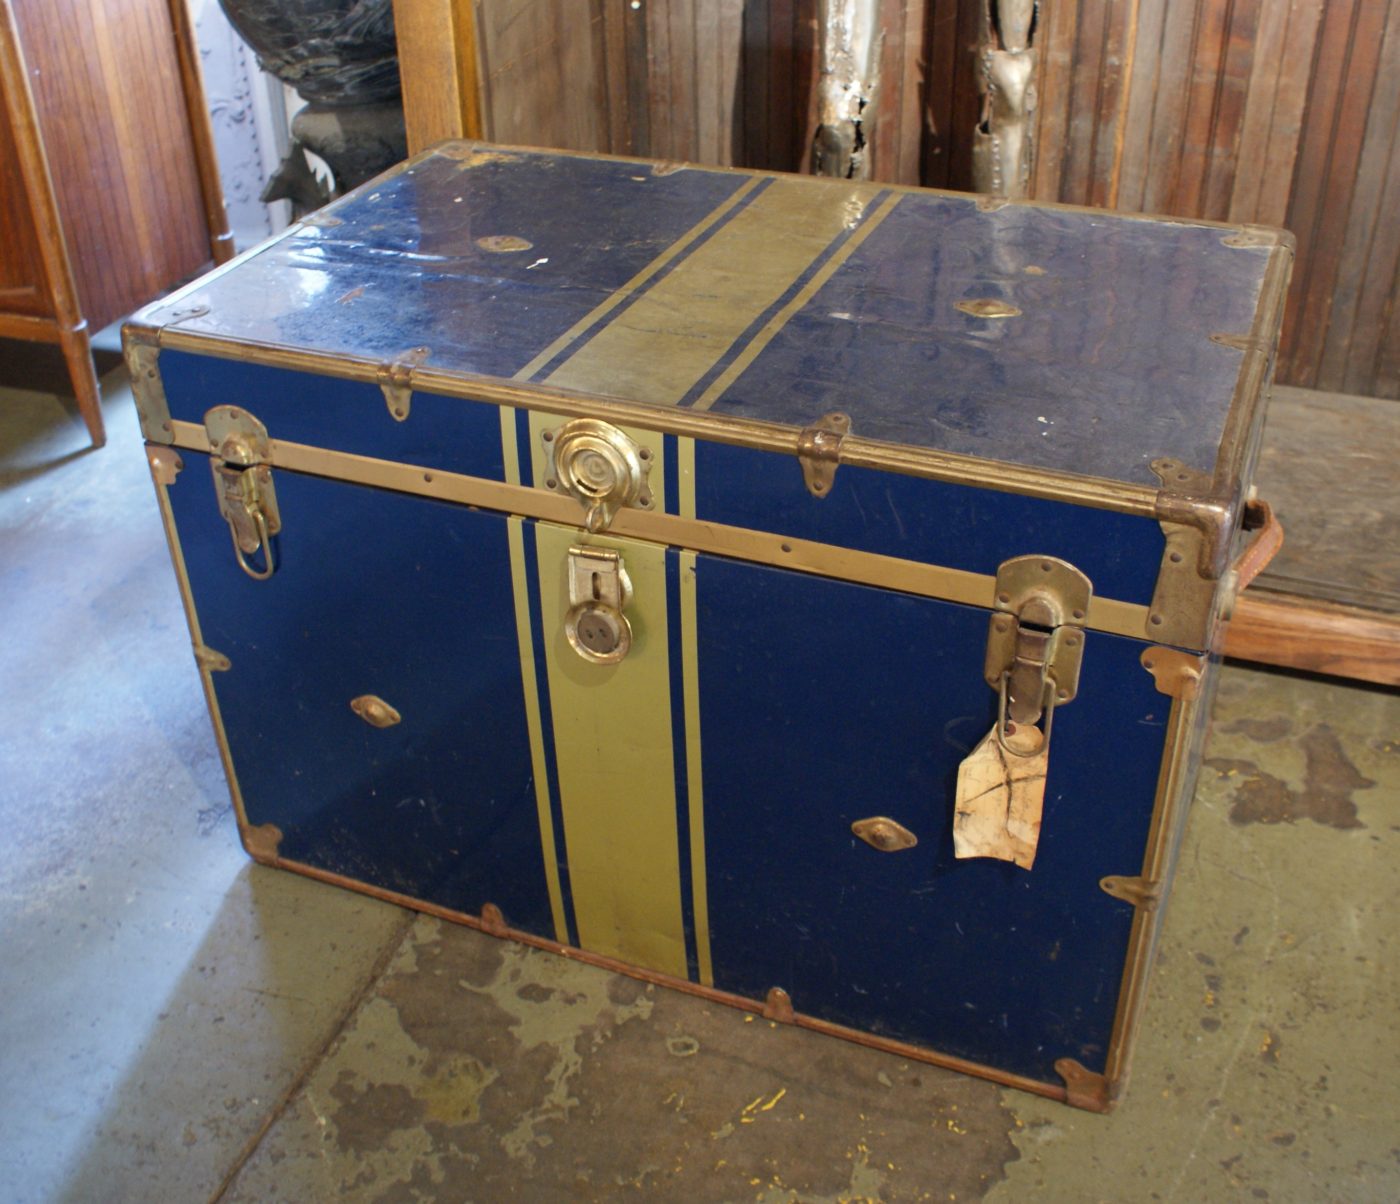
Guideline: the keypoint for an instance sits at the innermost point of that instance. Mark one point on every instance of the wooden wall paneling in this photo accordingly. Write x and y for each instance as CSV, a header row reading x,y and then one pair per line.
x,y
1325,175
1176,55
675,45
967,105
1077,158
1202,100
942,50
1273,111
635,64
660,69
1234,71
1366,273
441,85
757,58
1110,123
542,81
718,52
787,150
897,135
1055,44
1142,83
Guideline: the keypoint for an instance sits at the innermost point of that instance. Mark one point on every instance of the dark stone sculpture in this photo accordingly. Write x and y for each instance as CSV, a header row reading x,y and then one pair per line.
x,y
341,56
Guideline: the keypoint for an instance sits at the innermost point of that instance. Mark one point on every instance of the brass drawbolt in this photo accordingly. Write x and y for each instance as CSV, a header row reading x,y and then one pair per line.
x,y
1035,646
240,451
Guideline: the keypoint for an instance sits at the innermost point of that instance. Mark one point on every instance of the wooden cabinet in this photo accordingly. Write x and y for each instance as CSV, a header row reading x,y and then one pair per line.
x,y
110,192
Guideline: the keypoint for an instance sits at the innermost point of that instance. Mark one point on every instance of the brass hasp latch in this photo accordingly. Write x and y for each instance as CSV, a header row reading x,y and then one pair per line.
x,y
1035,646
599,590
240,455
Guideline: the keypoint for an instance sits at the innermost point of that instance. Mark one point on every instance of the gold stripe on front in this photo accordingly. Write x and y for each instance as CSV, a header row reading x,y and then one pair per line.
x,y
613,756
685,476
799,299
534,726
660,347
695,783
666,257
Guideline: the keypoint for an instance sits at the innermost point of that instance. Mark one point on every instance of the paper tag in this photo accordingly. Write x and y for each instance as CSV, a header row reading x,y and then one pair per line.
x,y
999,799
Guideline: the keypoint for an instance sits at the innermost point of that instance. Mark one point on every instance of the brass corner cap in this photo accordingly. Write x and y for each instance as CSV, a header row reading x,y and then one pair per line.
x,y
1084,1088
261,842
778,1006
1177,674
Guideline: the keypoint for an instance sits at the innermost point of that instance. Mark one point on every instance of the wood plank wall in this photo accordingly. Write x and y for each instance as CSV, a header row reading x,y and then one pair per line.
x,y
1282,112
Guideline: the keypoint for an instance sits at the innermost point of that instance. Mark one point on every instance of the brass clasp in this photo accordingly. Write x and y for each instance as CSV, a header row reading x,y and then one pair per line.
x,y
240,451
1035,646
599,590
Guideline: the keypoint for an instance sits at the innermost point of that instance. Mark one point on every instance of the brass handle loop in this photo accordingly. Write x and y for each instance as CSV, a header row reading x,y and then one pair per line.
x,y
264,542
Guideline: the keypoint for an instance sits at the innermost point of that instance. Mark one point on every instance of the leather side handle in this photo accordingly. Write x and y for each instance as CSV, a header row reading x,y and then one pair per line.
x,y
1258,517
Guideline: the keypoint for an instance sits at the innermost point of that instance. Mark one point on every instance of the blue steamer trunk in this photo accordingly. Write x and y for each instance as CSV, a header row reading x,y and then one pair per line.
x,y
659,561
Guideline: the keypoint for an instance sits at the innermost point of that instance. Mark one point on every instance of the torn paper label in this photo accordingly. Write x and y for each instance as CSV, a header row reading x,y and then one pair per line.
x,y
1000,794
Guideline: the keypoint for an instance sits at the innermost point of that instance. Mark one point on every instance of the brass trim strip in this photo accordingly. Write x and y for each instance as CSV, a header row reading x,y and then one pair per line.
x,y
492,927
1166,809
1096,492
867,568
161,472
1242,416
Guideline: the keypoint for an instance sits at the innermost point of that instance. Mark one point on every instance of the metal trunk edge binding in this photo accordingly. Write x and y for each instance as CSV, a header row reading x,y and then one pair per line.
x,y
240,459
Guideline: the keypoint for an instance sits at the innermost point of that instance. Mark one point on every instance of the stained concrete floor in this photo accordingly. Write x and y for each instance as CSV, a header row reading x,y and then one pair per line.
x,y
178,1024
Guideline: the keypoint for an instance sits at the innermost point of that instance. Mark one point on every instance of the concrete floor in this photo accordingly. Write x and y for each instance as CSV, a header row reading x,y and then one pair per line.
x,y
178,1024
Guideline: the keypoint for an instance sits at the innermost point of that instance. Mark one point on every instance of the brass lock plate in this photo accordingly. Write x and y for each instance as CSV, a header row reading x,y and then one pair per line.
x,y
599,590
601,466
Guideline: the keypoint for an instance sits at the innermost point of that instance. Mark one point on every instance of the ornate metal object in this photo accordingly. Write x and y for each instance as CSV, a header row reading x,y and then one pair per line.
x,y
1002,151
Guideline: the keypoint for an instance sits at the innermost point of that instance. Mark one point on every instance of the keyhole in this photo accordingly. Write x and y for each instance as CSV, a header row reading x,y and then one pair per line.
x,y
597,587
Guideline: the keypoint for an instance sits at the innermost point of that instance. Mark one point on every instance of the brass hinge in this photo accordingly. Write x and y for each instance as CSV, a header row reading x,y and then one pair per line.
x,y
240,460
819,451
396,380
1137,891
